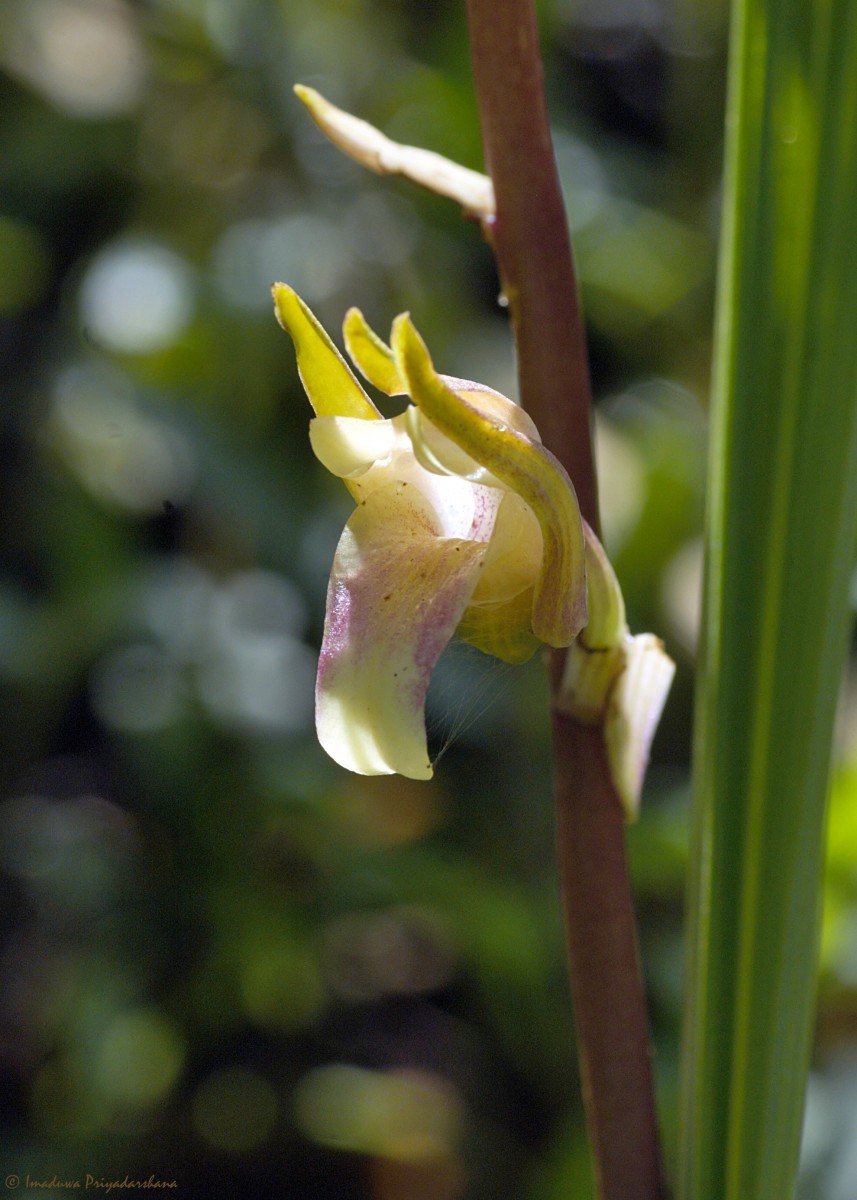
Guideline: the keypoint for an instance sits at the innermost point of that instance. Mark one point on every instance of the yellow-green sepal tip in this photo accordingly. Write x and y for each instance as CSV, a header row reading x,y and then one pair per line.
x,y
330,384
371,354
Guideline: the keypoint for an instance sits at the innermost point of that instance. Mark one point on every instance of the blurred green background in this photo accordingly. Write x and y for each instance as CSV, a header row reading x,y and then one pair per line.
x,y
224,962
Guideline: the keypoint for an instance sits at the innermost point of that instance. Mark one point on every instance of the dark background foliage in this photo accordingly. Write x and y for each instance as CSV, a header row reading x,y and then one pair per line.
x,y
225,962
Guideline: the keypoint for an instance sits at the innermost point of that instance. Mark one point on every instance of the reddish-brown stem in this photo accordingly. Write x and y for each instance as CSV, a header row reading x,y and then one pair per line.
x,y
531,244
606,981
530,236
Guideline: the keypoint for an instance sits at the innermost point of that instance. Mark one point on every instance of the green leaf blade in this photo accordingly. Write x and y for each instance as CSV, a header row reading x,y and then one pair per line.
x,y
781,536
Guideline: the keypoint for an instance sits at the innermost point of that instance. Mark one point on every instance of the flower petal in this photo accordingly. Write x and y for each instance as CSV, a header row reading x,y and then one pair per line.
x,y
328,380
397,591
526,468
349,447
369,455
514,557
635,707
599,655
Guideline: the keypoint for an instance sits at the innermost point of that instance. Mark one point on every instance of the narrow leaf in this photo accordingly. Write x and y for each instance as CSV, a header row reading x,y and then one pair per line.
x,y
781,537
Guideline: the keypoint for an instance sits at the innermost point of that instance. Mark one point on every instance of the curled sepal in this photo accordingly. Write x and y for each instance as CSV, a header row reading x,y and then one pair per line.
x,y
634,709
373,149
328,381
397,591
523,466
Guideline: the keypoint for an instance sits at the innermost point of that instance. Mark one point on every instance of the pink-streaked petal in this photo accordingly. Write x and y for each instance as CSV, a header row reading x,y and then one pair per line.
x,y
397,591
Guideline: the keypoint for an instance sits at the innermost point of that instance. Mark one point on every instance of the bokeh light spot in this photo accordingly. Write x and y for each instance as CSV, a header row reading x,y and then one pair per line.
x,y
255,673
137,689
394,952
86,56
281,986
120,454
415,1116
305,248
140,1058
137,297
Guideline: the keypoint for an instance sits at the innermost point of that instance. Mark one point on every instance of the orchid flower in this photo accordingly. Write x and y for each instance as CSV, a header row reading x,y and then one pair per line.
x,y
465,524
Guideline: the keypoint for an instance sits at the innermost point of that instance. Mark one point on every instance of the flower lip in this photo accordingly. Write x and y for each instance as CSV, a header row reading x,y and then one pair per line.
x,y
399,587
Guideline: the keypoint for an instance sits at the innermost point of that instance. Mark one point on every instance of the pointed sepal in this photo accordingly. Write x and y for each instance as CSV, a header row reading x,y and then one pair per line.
x,y
329,382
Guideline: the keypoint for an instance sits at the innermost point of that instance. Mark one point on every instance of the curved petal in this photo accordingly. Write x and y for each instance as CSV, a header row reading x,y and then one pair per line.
x,y
599,655
377,363
349,447
328,380
397,592
523,466
635,707
375,150
439,454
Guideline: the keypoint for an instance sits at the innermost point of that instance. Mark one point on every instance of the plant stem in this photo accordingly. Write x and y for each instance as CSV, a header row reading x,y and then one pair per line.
x,y
533,252
606,981
530,236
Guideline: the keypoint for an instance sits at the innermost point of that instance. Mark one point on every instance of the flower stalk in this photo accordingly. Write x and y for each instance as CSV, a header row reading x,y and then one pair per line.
x,y
533,251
